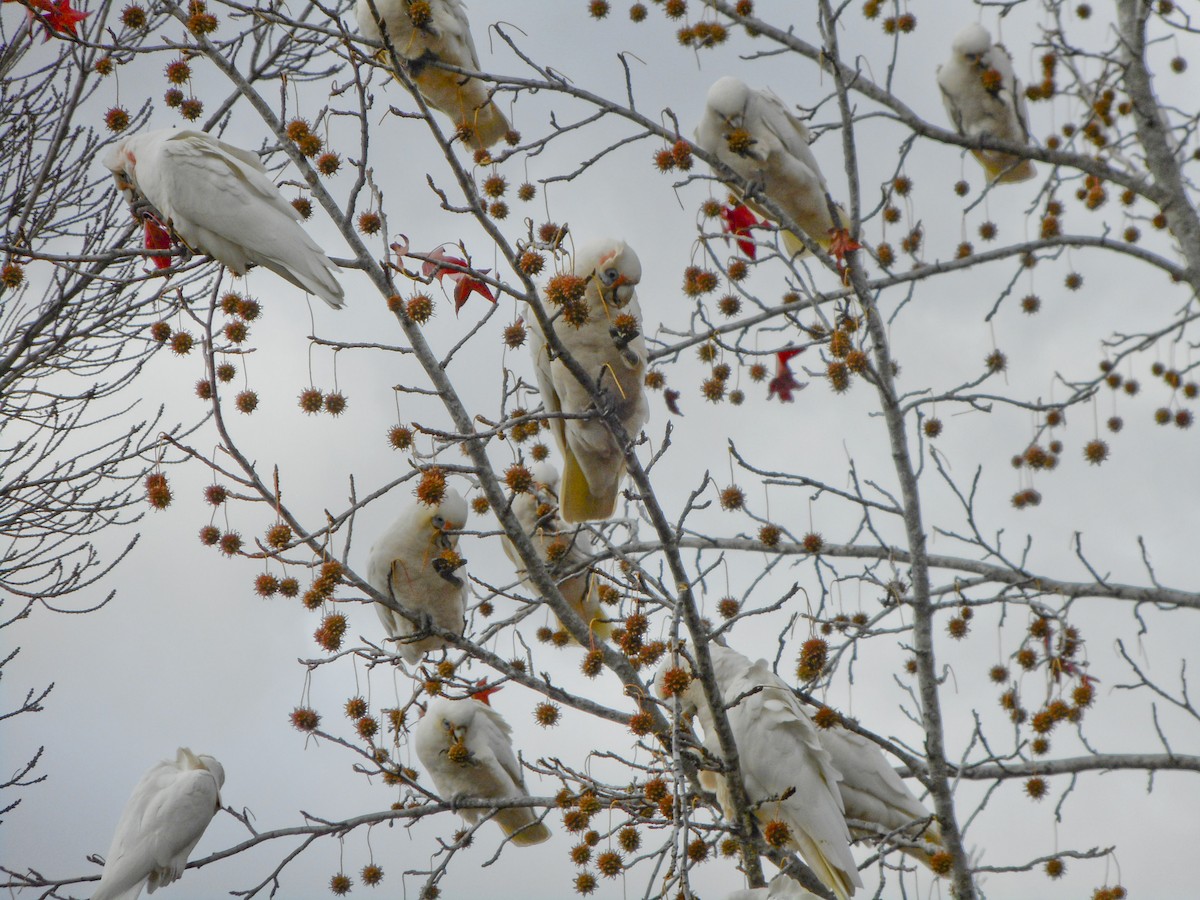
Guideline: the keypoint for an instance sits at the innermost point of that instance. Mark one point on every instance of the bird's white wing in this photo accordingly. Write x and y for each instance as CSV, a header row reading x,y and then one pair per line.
x,y
543,370
162,822
491,739
457,40
786,133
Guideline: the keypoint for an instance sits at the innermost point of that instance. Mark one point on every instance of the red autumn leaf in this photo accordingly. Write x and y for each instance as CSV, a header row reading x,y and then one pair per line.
x,y
464,284
482,692
672,398
739,221
59,18
157,238
784,383
839,245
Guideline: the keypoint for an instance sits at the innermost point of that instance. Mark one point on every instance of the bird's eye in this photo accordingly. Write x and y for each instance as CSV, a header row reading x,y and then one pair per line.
x,y
608,276
446,724
439,521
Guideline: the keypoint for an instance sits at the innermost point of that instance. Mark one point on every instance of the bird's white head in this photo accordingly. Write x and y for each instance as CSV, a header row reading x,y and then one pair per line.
x,y
972,42
614,265
545,475
454,717
449,515
727,99
218,771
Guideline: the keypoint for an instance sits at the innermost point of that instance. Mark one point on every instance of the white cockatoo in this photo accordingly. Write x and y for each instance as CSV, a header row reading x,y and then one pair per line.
x,y
754,133
438,31
466,747
161,825
609,346
781,888
873,792
781,754
563,548
984,99
416,563
218,200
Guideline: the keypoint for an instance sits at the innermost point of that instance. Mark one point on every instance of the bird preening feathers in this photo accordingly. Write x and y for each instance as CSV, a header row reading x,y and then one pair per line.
x,y
218,200
163,821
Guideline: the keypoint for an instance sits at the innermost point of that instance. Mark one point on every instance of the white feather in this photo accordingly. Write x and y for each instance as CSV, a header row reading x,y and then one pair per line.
x,y
161,825
402,564
219,200
780,888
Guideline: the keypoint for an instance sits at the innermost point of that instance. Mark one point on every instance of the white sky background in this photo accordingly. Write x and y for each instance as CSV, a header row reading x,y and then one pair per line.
x,y
188,655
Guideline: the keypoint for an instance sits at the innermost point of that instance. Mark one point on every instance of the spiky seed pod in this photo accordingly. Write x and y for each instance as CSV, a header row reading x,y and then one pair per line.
x,y
231,543
585,883
581,854
371,875
812,542
547,714
996,361
209,535
1095,451
191,109
825,718
289,587
941,862
303,206
182,343
335,403
158,492
331,631
676,681
246,402
838,374
297,128
998,674
117,119
544,634
526,192
311,400
201,22
777,833
813,656
697,850
957,628
769,535
367,727
305,719
932,427
204,389
1073,281
419,308
655,790
1055,868
356,708
575,821
328,163
565,288
12,275
1036,788
1026,658
215,494
593,663
133,16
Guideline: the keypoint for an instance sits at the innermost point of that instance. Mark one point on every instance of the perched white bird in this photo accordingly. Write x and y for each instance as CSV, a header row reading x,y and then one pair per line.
x,y
416,562
563,548
610,348
466,747
984,99
438,31
781,754
755,134
162,823
780,888
873,792
218,200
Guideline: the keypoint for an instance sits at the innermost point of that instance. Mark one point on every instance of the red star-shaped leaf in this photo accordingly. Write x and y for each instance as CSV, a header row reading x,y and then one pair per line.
x,y
59,18
482,692
739,221
464,284
784,383
839,245
672,398
157,238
